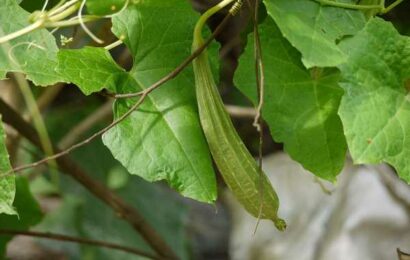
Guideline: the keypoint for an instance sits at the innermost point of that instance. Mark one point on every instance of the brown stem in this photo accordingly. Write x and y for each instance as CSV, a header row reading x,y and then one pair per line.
x,y
259,75
102,113
49,95
105,111
241,112
260,84
78,240
69,167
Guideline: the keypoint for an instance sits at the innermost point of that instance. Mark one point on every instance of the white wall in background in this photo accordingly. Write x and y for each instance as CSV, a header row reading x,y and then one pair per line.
x,y
366,217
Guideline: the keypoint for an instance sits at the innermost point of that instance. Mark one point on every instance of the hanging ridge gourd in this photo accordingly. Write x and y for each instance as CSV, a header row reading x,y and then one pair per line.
x,y
237,166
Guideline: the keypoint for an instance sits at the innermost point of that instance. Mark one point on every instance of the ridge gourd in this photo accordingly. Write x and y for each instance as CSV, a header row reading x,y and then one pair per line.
x,y
236,165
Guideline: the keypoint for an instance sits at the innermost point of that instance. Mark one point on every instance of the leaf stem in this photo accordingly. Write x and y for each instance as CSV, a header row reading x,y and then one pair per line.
x,y
71,22
34,26
204,17
61,7
60,16
349,6
38,121
85,28
381,6
113,45
61,2
42,20
390,7
44,5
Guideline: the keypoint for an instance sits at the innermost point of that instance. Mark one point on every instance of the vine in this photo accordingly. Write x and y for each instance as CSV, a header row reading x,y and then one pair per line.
x,y
381,6
301,76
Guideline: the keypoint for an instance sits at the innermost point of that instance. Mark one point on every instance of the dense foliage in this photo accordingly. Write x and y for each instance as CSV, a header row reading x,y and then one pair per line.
x,y
336,79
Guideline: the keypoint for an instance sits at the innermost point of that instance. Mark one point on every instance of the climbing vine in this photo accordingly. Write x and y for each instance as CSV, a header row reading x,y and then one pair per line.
x,y
329,78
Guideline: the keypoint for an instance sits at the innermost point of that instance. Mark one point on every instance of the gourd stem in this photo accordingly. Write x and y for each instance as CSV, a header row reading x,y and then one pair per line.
x,y
198,40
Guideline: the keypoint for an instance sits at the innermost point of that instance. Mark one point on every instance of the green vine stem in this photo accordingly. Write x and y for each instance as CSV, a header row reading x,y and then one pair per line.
x,y
39,124
381,6
61,6
72,22
39,20
114,44
54,18
349,6
390,7
66,13
198,40
26,30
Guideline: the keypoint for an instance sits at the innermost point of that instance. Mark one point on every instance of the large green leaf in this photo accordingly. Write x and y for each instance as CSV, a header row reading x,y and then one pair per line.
x,y
28,209
315,29
34,54
300,105
91,69
7,185
163,139
375,109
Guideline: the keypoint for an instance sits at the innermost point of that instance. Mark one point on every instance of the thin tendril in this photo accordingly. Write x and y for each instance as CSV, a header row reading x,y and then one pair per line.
x,y
61,2
44,6
85,28
11,50
257,123
61,8
113,45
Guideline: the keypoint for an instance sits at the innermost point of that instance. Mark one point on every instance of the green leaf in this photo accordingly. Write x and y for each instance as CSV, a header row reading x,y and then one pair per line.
x,y
91,69
7,185
314,29
34,54
163,139
375,109
300,106
98,7
28,209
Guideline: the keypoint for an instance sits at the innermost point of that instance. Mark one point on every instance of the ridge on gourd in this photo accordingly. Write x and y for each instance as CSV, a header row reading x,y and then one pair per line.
x,y
237,166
